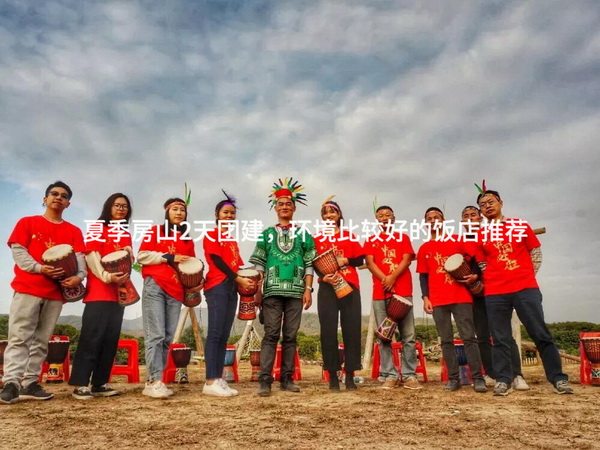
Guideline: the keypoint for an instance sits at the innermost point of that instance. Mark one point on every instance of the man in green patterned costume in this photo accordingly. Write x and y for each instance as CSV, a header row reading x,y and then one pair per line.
x,y
283,256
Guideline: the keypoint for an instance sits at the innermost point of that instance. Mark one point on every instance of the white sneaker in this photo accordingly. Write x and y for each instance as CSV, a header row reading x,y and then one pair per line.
x,y
519,384
489,381
156,389
227,387
216,389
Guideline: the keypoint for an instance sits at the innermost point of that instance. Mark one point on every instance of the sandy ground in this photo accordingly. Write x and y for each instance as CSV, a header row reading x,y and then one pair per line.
x,y
315,418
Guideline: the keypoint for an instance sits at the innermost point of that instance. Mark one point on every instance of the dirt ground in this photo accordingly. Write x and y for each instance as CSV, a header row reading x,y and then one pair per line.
x,y
315,418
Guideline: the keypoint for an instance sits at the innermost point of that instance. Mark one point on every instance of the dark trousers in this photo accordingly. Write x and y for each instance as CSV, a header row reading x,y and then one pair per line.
x,y
222,304
463,317
282,315
98,340
482,330
349,311
528,305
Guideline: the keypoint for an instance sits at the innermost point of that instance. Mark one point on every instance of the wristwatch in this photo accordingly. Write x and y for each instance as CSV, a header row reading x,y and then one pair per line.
x,y
309,288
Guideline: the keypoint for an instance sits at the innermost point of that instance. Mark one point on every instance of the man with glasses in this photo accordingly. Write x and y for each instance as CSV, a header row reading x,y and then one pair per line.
x,y
37,300
510,256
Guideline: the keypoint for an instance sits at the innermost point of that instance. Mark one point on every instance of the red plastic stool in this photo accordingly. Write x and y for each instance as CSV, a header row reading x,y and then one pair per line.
x,y
132,369
325,373
396,352
171,370
66,362
277,366
585,366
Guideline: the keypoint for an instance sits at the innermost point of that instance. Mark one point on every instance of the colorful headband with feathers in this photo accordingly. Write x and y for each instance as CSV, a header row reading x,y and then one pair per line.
x,y
483,189
229,198
375,206
327,202
287,188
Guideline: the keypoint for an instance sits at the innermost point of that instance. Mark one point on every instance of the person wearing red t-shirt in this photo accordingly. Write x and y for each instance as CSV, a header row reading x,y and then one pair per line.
x,y
444,297
163,246
510,255
388,257
350,255
37,301
220,289
471,218
102,315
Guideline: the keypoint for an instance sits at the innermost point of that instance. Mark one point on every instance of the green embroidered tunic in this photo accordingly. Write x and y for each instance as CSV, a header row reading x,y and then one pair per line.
x,y
285,260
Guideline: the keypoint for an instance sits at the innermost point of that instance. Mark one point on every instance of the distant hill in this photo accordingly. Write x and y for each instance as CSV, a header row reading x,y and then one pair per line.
x,y
309,326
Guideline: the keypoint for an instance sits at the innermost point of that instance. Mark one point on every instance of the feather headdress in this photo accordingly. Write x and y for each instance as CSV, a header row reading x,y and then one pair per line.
x,y
287,188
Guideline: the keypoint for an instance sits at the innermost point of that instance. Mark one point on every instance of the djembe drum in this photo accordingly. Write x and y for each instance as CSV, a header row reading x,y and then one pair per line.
x,y
458,268
57,353
190,274
397,308
591,346
62,256
181,358
120,261
228,374
464,371
247,310
255,363
327,264
3,345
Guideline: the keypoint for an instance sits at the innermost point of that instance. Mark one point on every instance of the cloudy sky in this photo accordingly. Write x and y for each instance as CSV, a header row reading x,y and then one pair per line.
x,y
356,98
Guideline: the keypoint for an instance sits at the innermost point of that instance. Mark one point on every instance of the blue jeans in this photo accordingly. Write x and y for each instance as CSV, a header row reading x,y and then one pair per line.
x,y
160,313
409,354
528,305
222,304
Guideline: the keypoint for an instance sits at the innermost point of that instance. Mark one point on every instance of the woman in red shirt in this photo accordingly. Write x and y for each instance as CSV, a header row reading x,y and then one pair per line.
x,y
223,258
102,315
350,255
163,246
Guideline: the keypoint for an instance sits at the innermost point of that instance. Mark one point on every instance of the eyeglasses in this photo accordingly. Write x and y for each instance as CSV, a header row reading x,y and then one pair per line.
x,y
120,207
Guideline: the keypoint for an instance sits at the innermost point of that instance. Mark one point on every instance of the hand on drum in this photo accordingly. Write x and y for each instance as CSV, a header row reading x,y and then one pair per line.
x,y
197,288
246,283
332,278
180,258
469,279
341,261
71,281
52,272
118,278
427,305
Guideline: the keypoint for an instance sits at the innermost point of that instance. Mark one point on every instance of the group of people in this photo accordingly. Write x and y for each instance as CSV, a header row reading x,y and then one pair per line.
x,y
284,259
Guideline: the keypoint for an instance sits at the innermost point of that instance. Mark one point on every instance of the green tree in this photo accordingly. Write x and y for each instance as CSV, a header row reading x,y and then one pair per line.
x,y
3,327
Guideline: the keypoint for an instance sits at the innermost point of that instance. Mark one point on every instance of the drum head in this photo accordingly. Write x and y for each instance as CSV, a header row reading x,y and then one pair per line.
x,y
191,266
57,252
454,262
248,273
115,256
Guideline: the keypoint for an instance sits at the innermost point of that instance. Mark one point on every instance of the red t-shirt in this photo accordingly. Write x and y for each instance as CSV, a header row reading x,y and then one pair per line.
x,y
387,255
163,274
509,266
346,245
97,290
37,234
443,288
227,250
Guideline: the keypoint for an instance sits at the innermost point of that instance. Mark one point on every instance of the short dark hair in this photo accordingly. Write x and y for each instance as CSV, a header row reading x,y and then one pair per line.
x,y
59,184
383,207
434,208
106,214
333,205
489,192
